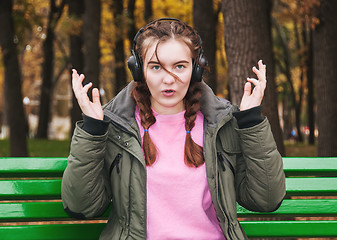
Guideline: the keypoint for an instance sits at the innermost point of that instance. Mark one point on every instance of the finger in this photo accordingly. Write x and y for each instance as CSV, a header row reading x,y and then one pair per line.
x,y
247,89
95,96
253,81
261,72
262,67
74,77
77,80
86,88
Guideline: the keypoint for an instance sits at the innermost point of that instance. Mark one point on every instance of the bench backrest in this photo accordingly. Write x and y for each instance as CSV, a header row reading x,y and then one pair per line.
x,y
30,192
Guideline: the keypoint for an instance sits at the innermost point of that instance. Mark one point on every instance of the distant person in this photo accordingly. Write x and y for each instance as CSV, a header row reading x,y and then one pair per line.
x,y
170,157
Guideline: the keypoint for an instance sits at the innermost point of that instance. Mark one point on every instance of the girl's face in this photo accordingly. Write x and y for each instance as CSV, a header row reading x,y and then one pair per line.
x,y
167,91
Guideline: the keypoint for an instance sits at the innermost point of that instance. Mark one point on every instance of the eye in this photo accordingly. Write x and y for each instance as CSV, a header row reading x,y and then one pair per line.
x,y
180,66
155,67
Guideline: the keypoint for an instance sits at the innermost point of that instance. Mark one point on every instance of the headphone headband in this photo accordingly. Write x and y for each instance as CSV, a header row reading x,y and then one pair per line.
x,y
140,31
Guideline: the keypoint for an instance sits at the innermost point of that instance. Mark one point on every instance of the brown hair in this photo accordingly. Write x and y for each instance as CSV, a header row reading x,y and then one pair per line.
x,y
162,31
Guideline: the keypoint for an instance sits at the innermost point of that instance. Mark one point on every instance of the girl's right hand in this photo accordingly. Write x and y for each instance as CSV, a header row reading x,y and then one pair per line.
x,y
92,108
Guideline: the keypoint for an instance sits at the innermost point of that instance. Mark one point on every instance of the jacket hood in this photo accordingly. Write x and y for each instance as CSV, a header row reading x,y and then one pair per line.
x,y
121,109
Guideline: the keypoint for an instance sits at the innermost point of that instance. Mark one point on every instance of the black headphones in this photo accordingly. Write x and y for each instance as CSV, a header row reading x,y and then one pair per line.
x,y
135,63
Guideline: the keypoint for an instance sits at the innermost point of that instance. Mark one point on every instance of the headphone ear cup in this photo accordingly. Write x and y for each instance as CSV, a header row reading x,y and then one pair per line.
x,y
135,67
198,69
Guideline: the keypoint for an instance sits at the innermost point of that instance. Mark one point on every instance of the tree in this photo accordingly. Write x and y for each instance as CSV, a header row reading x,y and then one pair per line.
x,y
76,9
120,72
247,40
205,20
55,13
325,74
285,66
294,21
132,30
148,11
12,84
91,31
310,86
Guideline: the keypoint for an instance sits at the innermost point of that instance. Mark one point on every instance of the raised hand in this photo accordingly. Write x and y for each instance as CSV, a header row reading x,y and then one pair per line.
x,y
254,98
90,108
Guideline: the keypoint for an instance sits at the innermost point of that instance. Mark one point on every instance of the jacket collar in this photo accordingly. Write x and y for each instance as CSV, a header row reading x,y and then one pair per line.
x,y
214,108
121,109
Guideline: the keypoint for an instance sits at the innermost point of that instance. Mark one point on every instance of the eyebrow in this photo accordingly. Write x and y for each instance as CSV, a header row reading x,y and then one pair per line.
x,y
179,62
153,62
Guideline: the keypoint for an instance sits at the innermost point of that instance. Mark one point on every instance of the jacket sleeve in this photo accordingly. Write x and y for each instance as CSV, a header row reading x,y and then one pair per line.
x,y
259,180
85,192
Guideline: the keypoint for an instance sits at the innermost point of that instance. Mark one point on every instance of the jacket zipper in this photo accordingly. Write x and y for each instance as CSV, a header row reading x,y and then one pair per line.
x,y
115,163
224,161
217,182
221,209
118,159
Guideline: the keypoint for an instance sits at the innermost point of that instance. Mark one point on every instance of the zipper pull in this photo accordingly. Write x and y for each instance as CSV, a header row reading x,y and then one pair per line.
x,y
117,159
222,162
115,163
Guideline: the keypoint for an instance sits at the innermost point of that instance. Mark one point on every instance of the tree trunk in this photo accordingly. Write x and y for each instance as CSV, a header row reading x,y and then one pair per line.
x,y
132,29
310,86
205,21
148,13
48,70
325,73
76,10
91,31
286,70
298,104
120,72
247,40
12,84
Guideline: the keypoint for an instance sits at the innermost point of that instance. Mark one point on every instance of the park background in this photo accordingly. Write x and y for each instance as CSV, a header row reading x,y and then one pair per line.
x,y
42,40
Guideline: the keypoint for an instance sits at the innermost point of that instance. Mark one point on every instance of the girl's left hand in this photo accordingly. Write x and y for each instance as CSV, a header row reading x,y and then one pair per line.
x,y
254,98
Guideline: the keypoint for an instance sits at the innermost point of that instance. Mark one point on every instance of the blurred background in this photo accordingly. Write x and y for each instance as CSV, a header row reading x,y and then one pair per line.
x,y
42,40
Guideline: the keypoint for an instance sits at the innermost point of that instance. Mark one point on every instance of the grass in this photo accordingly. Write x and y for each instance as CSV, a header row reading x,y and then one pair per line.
x,y
40,148
300,149
56,148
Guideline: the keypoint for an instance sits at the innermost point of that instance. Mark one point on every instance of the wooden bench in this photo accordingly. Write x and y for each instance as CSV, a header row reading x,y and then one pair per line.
x,y
31,209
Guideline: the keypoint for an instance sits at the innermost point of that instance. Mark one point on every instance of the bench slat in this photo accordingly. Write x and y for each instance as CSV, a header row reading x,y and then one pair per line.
x,y
52,232
297,207
298,186
30,189
92,231
284,229
54,167
50,188
34,211
32,167
46,167
316,166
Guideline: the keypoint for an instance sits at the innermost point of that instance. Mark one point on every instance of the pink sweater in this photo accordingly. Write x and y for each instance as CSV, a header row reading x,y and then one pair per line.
x,y
179,204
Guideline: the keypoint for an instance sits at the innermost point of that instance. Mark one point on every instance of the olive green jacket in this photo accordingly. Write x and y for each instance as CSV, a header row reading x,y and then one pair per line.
x,y
243,165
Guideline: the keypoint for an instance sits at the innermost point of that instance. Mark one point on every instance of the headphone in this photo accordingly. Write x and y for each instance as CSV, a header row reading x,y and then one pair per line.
x,y
135,62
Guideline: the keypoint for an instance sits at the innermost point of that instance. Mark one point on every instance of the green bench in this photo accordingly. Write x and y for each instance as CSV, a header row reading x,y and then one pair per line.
x,y
31,209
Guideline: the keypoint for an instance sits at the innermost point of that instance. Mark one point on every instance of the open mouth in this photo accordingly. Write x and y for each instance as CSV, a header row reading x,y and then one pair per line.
x,y
168,92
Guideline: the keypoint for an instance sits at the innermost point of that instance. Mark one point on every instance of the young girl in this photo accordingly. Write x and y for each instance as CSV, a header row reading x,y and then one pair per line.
x,y
169,156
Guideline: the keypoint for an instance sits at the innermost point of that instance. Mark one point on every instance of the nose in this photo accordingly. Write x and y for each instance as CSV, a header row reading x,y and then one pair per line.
x,y
168,78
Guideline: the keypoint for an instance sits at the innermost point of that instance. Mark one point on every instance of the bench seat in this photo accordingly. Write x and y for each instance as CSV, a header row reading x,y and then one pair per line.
x,y
31,207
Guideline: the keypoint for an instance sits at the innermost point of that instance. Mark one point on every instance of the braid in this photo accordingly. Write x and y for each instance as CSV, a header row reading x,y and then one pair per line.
x,y
193,152
141,94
